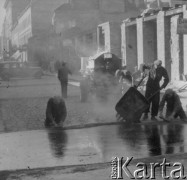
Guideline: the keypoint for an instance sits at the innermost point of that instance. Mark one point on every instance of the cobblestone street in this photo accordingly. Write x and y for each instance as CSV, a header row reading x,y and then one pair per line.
x,y
23,105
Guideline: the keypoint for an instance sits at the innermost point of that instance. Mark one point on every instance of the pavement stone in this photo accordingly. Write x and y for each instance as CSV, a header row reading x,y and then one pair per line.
x,y
23,105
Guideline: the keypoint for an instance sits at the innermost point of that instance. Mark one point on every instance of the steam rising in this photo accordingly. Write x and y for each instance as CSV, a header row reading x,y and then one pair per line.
x,y
104,107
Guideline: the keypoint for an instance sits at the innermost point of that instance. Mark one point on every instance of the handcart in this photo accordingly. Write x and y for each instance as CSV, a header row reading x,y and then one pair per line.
x,y
131,106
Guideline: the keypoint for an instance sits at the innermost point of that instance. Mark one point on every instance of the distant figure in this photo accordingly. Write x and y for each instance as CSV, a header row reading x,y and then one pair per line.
x,y
124,75
173,106
55,112
155,74
125,79
63,72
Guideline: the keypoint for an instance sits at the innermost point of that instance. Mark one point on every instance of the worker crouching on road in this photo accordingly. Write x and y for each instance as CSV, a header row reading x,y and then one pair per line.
x,y
56,112
155,73
173,106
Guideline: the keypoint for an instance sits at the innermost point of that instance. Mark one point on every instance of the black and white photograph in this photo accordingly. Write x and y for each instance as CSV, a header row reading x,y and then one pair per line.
x,y
93,89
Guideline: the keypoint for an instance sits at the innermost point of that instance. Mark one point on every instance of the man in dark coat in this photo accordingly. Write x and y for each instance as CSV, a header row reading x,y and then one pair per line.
x,y
63,72
55,112
155,73
173,106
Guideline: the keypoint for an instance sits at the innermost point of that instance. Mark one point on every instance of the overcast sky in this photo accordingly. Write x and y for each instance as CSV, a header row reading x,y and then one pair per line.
x,y
2,13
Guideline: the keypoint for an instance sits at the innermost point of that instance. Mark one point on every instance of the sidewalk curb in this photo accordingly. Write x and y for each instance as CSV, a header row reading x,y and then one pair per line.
x,y
90,125
90,167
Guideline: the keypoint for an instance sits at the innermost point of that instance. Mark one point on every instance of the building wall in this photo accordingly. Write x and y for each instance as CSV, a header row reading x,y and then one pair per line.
x,y
158,38
85,4
156,3
174,2
168,45
37,17
146,41
110,6
115,39
91,17
175,50
86,45
13,10
86,15
124,43
134,4
42,13
150,41
161,40
8,25
17,8
81,19
129,44
34,21
23,29
140,41
4,39
8,19
165,3
171,46
105,32
185,44
79,26
1,49
21,33
111,34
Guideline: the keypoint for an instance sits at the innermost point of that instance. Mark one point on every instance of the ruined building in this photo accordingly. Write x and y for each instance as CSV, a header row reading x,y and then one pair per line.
x,y
79,22
161,35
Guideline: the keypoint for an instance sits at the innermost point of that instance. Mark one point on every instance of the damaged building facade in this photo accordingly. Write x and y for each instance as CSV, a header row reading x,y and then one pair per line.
x,y
159,35
87,27
68,30
149,36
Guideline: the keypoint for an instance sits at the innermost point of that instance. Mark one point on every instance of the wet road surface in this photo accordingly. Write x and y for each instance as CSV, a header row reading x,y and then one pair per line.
x,y
57,147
